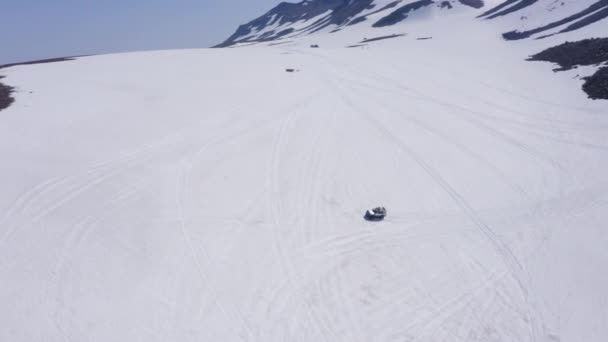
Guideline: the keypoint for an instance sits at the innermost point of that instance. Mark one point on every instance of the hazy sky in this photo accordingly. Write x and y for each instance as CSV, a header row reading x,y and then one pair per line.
x,y
36,29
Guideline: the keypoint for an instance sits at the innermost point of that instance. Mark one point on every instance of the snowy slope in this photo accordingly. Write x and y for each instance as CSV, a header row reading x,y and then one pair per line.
x,y
520,19
208,195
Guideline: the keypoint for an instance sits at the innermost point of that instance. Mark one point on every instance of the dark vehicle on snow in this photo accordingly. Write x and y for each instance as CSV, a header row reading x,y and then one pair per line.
x,y
376,214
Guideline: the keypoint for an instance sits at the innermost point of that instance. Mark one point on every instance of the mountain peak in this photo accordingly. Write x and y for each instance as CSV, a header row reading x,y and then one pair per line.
x,y
526,18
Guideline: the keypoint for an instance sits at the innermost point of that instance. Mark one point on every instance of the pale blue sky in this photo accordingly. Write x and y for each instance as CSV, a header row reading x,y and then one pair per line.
x,y
36,29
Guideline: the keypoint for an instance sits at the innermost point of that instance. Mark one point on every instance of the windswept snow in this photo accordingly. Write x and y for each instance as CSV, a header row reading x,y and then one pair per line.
x,y
208,195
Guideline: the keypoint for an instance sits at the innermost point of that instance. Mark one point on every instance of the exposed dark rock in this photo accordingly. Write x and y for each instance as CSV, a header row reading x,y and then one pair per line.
x,y
6,92
424,38
341,12
5,95
41,61
497,8
596,86
357,20
591,14
402,13
283,33
266,35
507,7
585,52
381,38
363,18
348,10
472,3
597,16
282,13
279,43
570,54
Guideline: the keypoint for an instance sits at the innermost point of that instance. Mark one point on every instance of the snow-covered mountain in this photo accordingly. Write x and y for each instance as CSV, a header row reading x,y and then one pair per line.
x,y
209,195
525,18
541,24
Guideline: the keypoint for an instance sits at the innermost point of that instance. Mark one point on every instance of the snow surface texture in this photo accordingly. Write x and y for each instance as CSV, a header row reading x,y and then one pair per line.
x,y
208,195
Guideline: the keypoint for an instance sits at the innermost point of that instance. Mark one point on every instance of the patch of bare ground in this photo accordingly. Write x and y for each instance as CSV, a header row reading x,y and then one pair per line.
x,y
6,98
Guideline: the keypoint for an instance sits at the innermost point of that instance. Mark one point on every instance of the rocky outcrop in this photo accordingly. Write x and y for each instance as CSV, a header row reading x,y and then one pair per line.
x,y
5,96
585,52
309,16
571,54
590,15
507,7
472,3
282,14
402,13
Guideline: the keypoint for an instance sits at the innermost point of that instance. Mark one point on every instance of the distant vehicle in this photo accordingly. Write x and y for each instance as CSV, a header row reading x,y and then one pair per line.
x,y
314,46
290,70
376,214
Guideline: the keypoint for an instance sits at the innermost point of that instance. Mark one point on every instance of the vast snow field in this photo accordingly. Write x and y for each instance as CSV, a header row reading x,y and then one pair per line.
x,y
208,195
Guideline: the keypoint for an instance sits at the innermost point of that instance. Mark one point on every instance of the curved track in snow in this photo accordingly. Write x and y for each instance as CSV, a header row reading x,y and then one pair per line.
x,y
228,207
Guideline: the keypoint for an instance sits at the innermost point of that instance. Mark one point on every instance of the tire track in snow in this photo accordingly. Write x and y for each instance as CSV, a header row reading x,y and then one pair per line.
x,y
356,245
73,241
184,194
559,172
295,281
309,209
516,268
466,150
415,95
24,201
201,266
106,168
77,184
468,116
556,166
314,176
